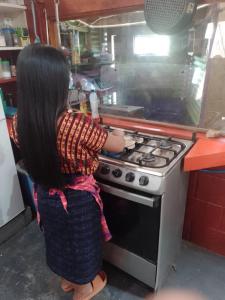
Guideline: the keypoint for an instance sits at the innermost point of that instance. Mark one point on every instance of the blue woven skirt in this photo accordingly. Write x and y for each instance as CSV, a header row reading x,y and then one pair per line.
x,y
74,240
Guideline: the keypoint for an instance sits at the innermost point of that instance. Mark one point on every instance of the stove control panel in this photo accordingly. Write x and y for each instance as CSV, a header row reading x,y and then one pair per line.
x,y
135,179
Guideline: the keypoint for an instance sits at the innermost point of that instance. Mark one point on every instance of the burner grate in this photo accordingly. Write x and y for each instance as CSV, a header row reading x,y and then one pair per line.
x,y
150,151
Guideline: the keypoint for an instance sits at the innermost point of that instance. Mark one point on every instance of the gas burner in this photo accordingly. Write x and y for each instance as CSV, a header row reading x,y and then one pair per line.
x,y
135,157
166,144
135,138
153,143
146,149
156,162
164,153
148,157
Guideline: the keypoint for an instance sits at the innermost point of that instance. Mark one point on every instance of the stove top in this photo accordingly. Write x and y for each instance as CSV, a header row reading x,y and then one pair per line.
x,y
152,152
145,163
149,151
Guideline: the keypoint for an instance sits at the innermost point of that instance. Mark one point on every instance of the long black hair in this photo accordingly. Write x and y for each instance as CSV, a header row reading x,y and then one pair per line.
x,y
42,87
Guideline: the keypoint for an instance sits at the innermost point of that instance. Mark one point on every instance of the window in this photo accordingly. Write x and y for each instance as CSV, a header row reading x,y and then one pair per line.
x,y
152,45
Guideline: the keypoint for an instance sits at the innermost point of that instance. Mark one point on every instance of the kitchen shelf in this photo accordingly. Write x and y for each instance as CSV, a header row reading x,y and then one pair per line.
x,y
9,80
103,63
10,48
6,8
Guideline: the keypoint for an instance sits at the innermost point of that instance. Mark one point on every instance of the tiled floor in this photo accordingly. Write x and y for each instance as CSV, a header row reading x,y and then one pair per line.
x,y
24,275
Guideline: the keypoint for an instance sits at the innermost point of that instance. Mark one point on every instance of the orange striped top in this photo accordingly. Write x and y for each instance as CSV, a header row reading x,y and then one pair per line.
x,y
79,140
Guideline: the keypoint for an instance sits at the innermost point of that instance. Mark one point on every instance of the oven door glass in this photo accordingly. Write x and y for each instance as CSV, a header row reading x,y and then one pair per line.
x,y
134,226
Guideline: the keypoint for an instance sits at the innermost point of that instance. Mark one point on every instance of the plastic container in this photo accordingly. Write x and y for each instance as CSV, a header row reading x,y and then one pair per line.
x,y
76,48
6,69
23,36
8,34
10,111
9,99
83,103
94,102
3,100
2,39
15,38
13,70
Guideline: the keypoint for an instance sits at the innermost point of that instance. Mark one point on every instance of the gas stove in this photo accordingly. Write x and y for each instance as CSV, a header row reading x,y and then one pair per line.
x,y
146,164
144,194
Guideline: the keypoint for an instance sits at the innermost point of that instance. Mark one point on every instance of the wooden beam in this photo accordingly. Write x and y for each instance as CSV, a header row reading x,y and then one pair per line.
x,y
52,28
70,9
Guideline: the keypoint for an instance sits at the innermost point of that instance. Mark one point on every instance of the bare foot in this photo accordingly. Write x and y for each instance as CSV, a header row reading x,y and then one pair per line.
x,y
66,285
81,292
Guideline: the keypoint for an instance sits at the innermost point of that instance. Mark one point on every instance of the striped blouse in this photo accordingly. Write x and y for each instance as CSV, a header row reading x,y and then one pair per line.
x,y
79,140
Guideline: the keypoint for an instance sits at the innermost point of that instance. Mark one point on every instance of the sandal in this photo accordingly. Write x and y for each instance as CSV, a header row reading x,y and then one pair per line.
x,y
66,286
98,285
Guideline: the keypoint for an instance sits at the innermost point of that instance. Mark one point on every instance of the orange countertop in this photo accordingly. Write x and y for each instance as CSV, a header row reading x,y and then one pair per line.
x,y
206,153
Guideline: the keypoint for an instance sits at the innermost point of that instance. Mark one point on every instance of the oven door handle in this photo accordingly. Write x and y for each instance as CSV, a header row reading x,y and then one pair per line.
x,y
149,201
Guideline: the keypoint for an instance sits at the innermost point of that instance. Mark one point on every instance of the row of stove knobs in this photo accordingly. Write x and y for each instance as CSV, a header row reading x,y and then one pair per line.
x,y
130,177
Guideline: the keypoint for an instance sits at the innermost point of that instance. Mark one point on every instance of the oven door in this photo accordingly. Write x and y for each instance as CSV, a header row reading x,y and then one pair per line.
x,y
133,219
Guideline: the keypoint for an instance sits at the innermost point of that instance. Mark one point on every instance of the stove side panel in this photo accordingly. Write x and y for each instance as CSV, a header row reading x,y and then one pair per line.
x,y
172,219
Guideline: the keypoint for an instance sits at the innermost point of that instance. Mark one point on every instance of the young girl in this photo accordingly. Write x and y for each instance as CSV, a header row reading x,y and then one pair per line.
x,y
60,152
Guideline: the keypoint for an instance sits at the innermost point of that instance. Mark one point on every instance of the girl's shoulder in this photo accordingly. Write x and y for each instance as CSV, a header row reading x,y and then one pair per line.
x,y
70,116
71,121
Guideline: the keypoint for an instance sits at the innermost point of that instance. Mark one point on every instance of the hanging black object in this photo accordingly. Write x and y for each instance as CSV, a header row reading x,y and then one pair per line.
x,y
169,16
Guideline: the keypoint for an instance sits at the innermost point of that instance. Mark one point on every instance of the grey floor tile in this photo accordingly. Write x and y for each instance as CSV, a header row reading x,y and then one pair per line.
x,y
199,270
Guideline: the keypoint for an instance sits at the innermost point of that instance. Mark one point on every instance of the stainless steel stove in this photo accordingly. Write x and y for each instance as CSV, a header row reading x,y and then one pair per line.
x,y
144,194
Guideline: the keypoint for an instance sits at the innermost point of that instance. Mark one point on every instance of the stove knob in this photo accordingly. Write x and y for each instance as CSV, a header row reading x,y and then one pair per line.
x,y
130,177
143,180
105,170
117,173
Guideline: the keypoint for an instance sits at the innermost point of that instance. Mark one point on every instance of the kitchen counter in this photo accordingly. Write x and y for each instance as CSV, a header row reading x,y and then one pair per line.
x,y
206,153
